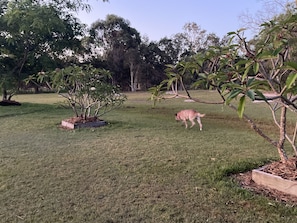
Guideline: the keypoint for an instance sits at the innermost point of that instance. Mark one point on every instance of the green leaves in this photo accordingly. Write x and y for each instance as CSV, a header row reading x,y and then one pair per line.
x,y
242,101
256,68
291,65
37,35
291,81
292,77
251,94
233,94
86,89
241,106
156,93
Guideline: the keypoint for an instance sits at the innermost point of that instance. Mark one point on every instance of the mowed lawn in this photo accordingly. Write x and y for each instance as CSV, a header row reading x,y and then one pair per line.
x,y
142,167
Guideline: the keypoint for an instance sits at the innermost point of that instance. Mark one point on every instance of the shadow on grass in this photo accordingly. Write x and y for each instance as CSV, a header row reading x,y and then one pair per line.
x,y
222,173
25,109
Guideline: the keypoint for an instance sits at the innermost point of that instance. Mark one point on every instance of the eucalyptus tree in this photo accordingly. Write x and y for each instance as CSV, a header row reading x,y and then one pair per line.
x,y
192,40
170,49
195,36
152,63
120,44
182,48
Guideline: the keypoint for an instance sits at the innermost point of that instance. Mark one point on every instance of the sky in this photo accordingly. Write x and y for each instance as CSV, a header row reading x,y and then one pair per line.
x,y
164,18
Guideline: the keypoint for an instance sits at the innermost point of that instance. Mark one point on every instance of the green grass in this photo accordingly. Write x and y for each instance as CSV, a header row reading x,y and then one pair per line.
x,y
142,167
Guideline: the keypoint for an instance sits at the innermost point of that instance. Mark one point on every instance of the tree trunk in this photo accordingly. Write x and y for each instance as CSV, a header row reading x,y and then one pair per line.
x,y
132,78
36,89
282,135
4,95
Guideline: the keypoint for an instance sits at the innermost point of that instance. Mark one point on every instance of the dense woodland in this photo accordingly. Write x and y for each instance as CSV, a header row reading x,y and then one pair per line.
x,y
39,36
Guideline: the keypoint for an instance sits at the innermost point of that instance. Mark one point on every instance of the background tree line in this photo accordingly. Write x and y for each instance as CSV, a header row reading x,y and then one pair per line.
x,y
40,36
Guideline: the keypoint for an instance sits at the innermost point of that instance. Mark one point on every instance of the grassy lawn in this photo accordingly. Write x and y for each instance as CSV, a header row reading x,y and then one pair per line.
x,y
142,167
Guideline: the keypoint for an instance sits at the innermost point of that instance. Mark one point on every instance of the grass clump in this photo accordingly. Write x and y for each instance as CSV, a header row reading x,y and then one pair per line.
x,y
142,167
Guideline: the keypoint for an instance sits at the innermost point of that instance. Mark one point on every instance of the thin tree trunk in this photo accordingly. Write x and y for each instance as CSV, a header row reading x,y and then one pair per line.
x,y
132,78
282,136
294,140
4,95
183,86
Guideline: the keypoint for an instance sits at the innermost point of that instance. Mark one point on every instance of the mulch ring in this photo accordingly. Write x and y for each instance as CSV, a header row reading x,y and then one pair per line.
x,y
81,120
286,171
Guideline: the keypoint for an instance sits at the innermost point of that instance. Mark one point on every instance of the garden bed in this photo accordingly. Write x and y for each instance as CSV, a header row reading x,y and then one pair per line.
x,y
276,180
78,122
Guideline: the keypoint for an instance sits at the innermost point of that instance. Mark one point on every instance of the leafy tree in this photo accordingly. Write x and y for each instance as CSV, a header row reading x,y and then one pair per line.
x,y
242,70
27,43
155,56
171,50
176,75
121,45
195,36
88,90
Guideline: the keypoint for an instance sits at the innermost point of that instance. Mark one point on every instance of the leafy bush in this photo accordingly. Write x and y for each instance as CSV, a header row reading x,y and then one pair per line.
x,y
87,89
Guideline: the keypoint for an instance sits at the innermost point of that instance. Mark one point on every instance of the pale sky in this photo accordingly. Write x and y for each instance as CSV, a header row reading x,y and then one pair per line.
x,y
164,18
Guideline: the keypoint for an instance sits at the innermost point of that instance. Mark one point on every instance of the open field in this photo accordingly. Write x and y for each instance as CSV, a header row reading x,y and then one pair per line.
x,y
142,167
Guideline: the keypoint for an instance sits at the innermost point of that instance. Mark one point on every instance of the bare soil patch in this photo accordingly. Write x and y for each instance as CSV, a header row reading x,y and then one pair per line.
x,y
285,170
